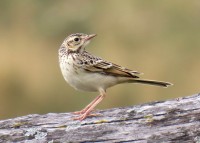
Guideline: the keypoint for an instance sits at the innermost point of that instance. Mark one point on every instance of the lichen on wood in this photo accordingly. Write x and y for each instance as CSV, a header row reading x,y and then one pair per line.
x,y
175,120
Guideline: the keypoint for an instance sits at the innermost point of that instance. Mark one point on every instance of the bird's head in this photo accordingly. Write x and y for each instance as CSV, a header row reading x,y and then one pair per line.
x,y
77,42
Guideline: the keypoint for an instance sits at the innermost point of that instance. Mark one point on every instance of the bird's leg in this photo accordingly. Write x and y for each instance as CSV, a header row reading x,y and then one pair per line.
x,y
87,112
88,106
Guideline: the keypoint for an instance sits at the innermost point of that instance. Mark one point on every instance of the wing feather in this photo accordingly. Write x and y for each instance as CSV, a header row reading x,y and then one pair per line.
x,y
112,69
101,66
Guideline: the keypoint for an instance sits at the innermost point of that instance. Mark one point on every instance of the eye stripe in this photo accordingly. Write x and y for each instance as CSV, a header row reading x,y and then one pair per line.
x,y
77,34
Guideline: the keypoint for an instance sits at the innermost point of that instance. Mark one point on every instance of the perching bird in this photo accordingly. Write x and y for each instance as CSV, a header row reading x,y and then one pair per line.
x,y
86,72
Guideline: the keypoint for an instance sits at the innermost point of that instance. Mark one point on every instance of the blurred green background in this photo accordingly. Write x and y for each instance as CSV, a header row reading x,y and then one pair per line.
x,y
158,38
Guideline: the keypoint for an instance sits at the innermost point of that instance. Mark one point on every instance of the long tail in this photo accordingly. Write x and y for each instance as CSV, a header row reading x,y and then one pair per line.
x,y
151,82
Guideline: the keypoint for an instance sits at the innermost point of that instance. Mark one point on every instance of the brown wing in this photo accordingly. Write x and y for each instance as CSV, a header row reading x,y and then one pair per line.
x,y
111,69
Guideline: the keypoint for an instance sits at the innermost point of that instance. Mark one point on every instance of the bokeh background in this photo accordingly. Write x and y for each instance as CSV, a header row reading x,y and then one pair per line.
x,y
158,38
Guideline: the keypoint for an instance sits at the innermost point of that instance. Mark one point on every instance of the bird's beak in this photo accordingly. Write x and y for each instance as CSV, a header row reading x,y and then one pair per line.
x,y
89,37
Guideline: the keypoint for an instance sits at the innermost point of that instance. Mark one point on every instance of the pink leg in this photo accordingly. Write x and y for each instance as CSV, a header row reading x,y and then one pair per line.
x,y
88,106
87,112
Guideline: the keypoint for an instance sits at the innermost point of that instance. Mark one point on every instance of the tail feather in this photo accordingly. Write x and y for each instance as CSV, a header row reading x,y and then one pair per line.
x,y
151,82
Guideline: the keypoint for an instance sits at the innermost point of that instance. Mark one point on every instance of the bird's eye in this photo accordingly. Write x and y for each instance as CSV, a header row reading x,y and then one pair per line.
x,y
76,39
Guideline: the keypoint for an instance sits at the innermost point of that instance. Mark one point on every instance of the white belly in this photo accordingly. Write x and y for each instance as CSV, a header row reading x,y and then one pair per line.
x,y
82,80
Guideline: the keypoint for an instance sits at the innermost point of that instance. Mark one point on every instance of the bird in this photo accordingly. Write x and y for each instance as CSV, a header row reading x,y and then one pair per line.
x,y
87,72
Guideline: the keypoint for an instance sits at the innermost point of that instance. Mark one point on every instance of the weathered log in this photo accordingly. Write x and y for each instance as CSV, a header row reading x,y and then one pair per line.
x,y
175,120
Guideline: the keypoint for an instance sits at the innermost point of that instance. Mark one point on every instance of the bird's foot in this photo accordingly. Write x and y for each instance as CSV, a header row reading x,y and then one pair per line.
x,y
80,112
85,115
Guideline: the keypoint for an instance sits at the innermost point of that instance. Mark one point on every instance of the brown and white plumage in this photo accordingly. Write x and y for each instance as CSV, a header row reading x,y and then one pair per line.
x,y
86,72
